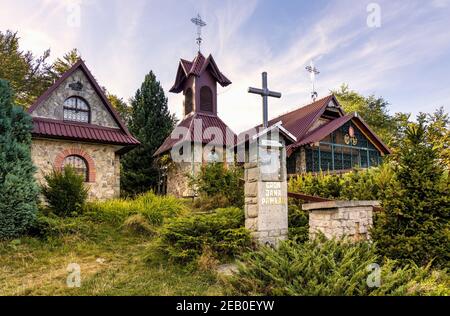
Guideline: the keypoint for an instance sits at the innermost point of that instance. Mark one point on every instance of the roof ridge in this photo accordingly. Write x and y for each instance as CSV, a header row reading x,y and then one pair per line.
x,y
303,106
81,65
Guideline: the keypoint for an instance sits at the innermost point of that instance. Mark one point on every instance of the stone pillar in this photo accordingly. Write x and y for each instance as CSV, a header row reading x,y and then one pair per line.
x,y
266,213
337,219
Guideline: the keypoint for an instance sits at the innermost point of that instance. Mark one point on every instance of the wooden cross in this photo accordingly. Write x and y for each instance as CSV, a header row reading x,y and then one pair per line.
x,y
265,93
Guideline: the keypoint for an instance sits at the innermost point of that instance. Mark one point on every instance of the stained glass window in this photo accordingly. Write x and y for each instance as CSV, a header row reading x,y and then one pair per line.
x,y
76,109
79,164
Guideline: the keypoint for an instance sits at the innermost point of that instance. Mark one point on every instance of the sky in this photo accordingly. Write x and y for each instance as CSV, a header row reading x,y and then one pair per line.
x,y
399,50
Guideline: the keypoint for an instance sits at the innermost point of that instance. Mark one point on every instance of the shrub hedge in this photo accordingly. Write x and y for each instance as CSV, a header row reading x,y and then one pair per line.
x,y
330,267
183,239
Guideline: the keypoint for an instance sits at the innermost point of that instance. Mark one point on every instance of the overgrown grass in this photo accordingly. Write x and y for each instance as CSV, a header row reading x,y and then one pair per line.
x,y
110,259
152,207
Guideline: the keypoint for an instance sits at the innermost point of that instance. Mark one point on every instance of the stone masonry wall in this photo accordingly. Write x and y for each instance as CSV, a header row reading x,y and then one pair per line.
x,y
265,207
104,164
52,108
178,181
336,219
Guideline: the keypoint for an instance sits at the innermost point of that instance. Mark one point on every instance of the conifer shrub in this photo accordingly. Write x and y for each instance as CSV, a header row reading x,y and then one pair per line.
x,y
184,238
217,182
298,219
415,224
65,192
48,225
18,189
359,184
330,267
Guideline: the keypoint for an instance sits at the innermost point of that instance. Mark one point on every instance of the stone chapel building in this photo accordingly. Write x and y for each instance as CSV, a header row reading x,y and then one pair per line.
x,y
197,80
74,124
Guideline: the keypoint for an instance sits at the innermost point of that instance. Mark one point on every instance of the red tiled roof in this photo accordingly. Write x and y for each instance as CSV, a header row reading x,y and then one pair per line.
x,y
88,132
195,68
78,131
196,125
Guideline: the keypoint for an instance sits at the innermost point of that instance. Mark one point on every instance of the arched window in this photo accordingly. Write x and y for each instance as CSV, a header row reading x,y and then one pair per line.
x,y
79,164
188,104
206,99
77,110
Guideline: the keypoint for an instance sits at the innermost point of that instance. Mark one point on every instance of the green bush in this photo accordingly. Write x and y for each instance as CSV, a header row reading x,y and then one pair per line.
x,y
329,267
369,184
415,224
217,181
18,190
50,225
298,220
152,207
65,192
183,239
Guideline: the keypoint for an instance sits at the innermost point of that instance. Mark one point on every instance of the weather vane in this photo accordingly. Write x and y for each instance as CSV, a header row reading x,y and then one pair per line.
x,y
313,71
200,23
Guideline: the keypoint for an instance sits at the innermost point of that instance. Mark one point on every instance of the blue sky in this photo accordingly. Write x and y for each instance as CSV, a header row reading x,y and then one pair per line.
x,y
406,60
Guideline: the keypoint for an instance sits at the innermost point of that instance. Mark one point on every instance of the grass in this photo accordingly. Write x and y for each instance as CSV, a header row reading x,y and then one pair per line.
x,y
111,263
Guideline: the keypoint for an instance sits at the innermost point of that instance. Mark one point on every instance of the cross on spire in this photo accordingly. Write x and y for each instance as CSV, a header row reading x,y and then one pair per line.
x,y
313,71
265,93
200,23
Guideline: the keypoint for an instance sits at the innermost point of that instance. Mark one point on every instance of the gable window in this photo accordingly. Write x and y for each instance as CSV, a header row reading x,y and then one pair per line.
x,y
77,110
344,149
206,99
78,164
188,104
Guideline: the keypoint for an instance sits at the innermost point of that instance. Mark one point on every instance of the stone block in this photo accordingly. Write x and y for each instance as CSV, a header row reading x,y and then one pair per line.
x,y
251,210
251,189
252,174
251,224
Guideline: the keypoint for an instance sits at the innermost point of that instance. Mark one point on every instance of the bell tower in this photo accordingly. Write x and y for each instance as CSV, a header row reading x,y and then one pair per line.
x,y
198,79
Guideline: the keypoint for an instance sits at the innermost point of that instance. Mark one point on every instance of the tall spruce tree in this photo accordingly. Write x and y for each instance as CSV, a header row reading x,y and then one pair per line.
x,y
415,224
150,122
18,189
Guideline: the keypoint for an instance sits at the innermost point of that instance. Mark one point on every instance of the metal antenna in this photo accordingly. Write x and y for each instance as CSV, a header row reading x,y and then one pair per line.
x,y
313,71
200,23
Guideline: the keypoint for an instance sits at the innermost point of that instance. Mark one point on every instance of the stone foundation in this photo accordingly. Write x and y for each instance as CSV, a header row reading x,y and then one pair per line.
x,y
336,219
104,164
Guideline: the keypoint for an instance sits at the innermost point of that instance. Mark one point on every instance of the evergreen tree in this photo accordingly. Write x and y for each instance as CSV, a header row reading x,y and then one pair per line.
x,y
18,190
150,122
415,224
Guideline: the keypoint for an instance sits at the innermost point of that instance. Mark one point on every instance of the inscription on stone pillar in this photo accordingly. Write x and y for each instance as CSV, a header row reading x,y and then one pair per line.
x,y
266,193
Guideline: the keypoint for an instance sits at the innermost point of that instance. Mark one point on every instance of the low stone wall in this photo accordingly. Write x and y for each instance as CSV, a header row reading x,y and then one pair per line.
x,y
336,219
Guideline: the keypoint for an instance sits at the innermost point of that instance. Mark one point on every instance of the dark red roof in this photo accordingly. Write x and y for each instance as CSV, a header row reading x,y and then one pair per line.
x,y
196,125
326,129
300,121
48,128
73,130
196,68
